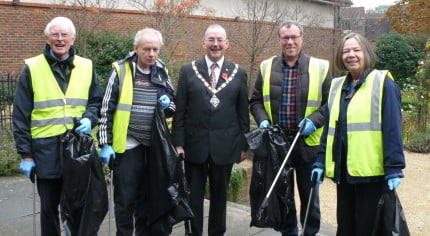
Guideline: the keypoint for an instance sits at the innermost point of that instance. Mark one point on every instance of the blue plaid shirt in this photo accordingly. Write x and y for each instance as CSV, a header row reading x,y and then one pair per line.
x,y
287,112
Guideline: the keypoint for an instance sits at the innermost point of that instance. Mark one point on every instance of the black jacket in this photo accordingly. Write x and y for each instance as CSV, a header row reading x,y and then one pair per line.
x,y
203,130
45,151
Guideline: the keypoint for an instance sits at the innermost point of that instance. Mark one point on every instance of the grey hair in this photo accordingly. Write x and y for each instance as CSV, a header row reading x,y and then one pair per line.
x,y
215,26
288,24
60,20
369,53
147,30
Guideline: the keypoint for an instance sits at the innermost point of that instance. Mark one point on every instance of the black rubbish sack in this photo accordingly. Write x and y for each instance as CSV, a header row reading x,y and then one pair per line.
x,y
84,198
390,219
270,148
168,193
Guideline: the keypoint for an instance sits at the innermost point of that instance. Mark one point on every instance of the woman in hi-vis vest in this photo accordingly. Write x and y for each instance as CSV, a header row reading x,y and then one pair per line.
x,y
361,146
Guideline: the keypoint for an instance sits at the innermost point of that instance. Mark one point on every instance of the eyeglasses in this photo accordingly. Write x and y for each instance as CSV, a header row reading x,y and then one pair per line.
x,y
212,40
57,35
287,38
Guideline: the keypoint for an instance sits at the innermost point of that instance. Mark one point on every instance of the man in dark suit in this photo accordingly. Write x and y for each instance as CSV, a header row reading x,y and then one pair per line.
x,y
210,122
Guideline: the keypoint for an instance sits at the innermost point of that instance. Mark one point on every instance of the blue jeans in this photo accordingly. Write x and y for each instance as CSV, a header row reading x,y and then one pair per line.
x,y
303,171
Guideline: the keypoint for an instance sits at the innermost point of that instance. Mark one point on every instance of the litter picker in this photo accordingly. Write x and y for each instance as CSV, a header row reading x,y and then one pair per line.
x,y
33,180
188,231
313,184
110,192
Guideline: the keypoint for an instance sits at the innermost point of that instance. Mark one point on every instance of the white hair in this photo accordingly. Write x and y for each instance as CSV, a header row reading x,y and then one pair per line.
x,y
144,31
63,21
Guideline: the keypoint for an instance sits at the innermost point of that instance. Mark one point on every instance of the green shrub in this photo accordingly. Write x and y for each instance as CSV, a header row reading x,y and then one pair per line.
x,y
9,158
236,182
396,54
418,142
237,179
105,48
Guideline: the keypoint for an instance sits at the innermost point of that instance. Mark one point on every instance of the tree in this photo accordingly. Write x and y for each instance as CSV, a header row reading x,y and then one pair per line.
x,y
87,16
410,16
263,18
261,21
381,9
423,90
105,48
398,56
169,17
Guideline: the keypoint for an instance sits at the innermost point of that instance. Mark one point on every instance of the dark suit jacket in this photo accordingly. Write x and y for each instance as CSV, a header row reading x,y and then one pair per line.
x,y
203,130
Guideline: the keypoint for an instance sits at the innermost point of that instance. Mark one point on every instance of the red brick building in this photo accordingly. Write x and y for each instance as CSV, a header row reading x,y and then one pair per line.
x,y
22,25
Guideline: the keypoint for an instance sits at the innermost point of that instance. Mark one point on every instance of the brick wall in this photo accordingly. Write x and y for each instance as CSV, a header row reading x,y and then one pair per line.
x,y
22,25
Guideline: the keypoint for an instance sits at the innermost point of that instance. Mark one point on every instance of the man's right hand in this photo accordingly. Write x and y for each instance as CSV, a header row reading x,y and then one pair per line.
x,y
106,154
264,124
27,166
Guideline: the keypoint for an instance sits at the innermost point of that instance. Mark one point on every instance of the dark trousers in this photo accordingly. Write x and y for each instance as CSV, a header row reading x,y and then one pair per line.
x,y
49,191
303,171
219,177
128,179
356,207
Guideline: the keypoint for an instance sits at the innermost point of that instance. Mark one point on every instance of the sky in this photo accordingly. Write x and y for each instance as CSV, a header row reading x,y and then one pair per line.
x,y
370,4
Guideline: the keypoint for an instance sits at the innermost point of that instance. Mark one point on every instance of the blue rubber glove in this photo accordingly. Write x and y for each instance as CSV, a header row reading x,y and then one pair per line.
x,y
106,154
85,126
318,172
26,167
309,127
264,124
165,101
393,183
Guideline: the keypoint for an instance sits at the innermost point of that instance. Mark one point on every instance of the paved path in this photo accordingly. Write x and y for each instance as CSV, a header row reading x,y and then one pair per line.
x,y
16,214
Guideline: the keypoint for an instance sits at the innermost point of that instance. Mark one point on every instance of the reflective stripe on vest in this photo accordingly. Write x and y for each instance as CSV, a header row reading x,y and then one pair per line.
x,y
318,70
122,113
53,111
364,135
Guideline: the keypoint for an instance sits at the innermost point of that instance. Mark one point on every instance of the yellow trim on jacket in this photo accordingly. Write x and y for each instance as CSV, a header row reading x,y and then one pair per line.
x,y
364,134
317,70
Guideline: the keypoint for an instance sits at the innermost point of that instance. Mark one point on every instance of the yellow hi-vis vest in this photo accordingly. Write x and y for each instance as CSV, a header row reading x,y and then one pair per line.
x,y
364,135
121,117
318,70
53,111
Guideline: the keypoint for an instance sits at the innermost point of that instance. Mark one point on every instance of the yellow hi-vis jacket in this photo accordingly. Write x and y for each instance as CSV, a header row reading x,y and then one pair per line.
x,y
318,70
53,111
364,135
121,117
122,113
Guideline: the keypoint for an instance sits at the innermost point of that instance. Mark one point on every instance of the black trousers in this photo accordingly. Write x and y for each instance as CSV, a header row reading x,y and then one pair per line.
x,y
356,207
128,178
49,191
219,178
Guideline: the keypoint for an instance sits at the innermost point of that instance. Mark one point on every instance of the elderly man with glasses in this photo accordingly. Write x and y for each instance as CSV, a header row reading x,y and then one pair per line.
x,y
55,88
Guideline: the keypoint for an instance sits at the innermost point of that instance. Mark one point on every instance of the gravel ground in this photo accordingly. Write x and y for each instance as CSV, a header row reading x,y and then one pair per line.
x,y
414,193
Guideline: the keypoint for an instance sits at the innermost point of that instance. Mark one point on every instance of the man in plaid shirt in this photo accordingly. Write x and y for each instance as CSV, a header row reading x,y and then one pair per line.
x,y
291,91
